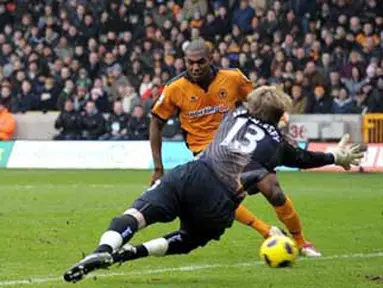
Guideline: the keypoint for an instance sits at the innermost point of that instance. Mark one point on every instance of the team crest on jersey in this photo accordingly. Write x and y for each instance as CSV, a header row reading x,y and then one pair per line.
x,y
194,98
222,93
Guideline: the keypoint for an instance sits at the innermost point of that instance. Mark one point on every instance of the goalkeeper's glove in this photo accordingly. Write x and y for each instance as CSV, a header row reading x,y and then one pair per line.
x,y
346,154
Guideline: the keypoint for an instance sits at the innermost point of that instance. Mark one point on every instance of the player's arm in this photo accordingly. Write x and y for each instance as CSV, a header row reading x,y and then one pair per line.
x,y
155,138
343,155
304,159
164,108
261,179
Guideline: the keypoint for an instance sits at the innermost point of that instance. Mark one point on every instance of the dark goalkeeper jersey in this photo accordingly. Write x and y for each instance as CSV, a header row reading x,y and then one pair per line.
x,y
245,149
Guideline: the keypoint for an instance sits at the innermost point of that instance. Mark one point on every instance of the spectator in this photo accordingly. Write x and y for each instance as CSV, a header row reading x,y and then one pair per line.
x,y
145,84
26,100
190,7
79,99
222,21
269,26
92,122
367,33
118,79
66,93
325,66
243,15
49,96
99,96
6,96
83,79
355,83
300,59
5,16
335,83
7,123
93,66
129,98
63,49
355,60
151,98
376,99
299,101
117,124
311,72
321,103
69,123
288,72
343,103
138,127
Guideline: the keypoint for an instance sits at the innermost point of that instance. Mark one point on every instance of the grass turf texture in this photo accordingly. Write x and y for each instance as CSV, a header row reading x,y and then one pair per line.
x,y
48,218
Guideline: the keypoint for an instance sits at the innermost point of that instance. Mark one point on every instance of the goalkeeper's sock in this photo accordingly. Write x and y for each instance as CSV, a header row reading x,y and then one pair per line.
x,y
243,215
289,216
120,231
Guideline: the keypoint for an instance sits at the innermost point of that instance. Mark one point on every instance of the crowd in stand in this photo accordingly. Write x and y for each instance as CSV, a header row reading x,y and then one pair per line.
x,y
91,58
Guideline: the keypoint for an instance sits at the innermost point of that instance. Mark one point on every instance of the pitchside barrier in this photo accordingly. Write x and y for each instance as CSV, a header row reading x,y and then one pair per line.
x,y
129,155
318,127
92,154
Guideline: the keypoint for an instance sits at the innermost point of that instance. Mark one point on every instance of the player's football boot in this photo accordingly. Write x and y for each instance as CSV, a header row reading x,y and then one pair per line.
x,y
90,263
125,253
275,231
308,250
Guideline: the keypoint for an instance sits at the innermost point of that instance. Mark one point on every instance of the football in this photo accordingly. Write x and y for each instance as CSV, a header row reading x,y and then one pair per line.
x,y
278,251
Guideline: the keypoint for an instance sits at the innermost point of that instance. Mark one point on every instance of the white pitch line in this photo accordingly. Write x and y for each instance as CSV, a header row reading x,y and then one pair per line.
x,y
183,269
65,186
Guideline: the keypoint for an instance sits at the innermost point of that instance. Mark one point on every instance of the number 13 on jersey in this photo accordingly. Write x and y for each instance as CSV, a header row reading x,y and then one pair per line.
x,y
247,143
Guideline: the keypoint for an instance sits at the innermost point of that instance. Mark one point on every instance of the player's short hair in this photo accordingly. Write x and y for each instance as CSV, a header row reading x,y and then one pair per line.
x,y
198,45
268,104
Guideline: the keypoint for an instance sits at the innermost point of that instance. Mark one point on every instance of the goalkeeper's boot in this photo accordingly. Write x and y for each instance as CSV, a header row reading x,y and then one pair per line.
x,y
308,250
90,263
125,253
276,231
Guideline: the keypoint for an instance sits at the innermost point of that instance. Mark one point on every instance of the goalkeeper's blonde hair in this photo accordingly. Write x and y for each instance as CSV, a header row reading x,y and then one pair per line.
x,y
268,103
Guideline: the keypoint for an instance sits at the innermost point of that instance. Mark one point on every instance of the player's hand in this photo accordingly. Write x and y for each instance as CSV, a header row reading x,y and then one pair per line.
x,y
157,174
346,154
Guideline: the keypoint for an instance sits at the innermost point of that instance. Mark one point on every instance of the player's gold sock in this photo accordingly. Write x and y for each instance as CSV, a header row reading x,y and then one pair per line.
x,y
289,216
243,215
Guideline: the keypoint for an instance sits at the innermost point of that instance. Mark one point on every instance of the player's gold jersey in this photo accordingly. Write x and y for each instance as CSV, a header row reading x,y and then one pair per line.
x,y
200,112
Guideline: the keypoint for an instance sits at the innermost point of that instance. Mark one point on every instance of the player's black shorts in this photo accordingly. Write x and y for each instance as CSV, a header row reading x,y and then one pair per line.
x,y
193,193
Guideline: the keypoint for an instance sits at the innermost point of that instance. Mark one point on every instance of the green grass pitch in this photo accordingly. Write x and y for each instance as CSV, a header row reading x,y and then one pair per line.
x,y
48,218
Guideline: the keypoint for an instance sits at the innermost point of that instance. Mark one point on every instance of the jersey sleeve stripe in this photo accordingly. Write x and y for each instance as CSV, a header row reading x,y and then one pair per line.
x,y
159,117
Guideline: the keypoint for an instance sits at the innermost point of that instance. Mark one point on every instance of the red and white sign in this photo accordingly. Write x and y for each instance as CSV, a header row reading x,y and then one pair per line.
x,y
372,161
298,131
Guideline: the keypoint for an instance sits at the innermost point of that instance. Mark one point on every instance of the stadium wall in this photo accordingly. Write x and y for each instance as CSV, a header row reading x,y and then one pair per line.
x,y
325,127
39,126
127,155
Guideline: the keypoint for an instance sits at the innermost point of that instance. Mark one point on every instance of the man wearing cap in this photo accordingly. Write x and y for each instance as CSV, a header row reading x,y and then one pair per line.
x,y
119,79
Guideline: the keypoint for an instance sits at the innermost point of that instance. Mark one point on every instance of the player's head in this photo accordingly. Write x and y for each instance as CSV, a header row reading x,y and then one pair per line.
x,y
197,58
268,104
